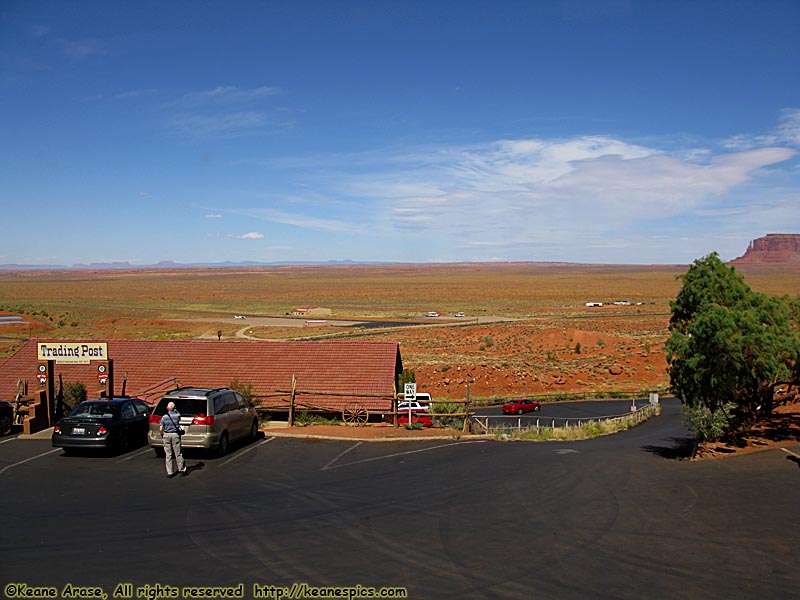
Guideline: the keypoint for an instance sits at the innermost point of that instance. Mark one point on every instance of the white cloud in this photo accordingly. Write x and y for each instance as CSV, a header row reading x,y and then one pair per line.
x,y
223,112
253,235
520,195
213,216
142,93
300,220
789,126
787,133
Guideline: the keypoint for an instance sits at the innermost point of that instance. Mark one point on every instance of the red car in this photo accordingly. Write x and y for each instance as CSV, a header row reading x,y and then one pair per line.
x,y
520,405
425,420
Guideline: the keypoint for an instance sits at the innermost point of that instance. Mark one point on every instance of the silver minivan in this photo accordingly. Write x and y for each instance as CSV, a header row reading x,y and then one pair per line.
x,y
211,418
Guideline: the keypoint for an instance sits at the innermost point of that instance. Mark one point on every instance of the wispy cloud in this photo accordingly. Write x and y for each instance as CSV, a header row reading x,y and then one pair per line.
x,y
302,220
134,94
213,216
226,95
226,125
518,195
223,112
253,235
77,50
787,133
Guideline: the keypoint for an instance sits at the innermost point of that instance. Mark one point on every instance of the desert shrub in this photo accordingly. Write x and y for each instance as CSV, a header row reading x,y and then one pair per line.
x,y
264,417
707,424
446,421
245,389
307,418
407,376
74,393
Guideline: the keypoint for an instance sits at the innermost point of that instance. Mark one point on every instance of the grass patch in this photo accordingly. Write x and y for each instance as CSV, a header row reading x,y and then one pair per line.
x,y
306,418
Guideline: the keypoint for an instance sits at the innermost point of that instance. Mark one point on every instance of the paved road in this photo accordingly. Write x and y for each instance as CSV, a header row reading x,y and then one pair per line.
x,y
558,413
454,519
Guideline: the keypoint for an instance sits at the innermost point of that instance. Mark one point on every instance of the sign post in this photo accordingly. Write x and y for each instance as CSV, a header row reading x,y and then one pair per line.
x,y
409,395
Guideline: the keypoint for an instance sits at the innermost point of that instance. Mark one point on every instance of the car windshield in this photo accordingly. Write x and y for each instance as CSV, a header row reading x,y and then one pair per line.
x,y
95,409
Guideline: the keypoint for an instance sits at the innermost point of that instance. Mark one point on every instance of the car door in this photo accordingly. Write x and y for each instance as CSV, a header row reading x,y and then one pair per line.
x,y
142,420
243,420
222,418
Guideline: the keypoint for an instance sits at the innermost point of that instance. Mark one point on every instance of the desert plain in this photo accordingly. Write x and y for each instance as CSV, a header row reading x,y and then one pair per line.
x,y
526,328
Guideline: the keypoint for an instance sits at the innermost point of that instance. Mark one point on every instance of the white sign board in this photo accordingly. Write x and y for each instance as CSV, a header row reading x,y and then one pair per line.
x,y
410,392
75,353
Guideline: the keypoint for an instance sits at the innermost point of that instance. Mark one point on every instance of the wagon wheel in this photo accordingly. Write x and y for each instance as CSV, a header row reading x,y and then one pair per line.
x,y
353,414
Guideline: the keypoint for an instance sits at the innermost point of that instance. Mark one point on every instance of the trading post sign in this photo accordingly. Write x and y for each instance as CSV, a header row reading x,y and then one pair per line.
x,y
72,353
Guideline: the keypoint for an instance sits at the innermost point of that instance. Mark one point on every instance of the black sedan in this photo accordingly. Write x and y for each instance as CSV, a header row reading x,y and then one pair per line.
x,y
116,424
6,417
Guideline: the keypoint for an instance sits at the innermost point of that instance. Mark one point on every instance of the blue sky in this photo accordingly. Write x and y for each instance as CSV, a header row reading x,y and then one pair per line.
x,y
607,131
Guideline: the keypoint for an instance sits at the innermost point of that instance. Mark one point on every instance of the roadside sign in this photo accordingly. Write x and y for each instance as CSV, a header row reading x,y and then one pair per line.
x,y
410,392
72,353
42,375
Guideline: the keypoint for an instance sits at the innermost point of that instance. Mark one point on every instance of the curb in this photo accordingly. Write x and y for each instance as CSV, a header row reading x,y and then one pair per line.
x,y
312,436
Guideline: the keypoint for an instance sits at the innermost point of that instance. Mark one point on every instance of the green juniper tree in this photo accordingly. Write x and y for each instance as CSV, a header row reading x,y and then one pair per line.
x,y
729,349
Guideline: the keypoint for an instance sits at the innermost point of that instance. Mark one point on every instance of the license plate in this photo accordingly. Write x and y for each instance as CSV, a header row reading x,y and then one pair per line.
x,y
78,430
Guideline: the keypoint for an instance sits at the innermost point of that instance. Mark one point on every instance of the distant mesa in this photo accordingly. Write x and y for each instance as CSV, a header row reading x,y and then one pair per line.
x,y
774,249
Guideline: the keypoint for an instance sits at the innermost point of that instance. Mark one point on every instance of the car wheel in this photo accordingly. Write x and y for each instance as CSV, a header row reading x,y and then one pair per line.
x,y
537,408
519,412
254,431
222,448
159,452
123,441
5,424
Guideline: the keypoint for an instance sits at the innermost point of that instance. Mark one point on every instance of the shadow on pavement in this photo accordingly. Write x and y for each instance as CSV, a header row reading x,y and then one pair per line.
x,y
681,448
195,467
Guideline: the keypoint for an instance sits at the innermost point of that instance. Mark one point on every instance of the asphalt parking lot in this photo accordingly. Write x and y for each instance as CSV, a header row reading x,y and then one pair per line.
x,y
606,518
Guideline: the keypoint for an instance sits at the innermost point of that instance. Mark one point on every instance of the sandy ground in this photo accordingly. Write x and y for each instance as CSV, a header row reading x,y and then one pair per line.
x,y
778,431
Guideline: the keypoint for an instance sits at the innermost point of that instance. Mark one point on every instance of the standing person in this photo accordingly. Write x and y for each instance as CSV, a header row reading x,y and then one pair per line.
x,y
169,427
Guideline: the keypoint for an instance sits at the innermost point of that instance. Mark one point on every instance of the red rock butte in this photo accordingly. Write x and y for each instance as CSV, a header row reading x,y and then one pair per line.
x,y
774,249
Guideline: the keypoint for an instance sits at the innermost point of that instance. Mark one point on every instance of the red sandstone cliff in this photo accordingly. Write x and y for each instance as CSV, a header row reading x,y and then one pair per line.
x,y
774,249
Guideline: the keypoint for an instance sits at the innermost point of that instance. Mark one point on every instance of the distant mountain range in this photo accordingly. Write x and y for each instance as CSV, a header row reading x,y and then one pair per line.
x,y
776,250
169,264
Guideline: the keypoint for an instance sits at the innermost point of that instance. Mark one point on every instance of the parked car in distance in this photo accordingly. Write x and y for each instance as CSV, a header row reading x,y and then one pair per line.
x,y
6,417
520,405
459,314
111,424
422,418
211,418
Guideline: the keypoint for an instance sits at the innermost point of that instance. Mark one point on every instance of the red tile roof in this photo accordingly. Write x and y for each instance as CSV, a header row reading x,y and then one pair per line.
x,y
341,367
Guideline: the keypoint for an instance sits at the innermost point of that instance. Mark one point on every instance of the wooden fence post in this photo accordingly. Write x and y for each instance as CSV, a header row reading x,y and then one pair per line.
x,y
467,425
291,401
